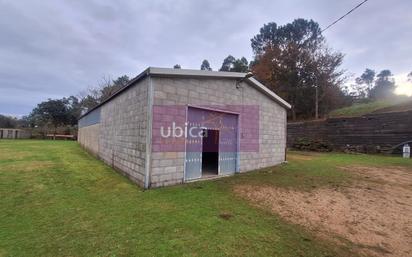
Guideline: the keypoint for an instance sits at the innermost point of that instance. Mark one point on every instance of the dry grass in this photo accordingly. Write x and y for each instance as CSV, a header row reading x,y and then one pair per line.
x,y
374,213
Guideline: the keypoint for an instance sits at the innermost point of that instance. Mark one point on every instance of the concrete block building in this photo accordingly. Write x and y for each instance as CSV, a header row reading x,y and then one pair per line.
x,y
170,126
12,133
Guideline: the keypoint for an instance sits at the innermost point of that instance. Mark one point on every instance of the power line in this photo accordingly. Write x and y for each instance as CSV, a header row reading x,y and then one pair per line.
x,y
346,14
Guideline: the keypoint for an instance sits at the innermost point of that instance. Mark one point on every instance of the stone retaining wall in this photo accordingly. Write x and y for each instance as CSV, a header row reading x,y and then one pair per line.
x,y
370,133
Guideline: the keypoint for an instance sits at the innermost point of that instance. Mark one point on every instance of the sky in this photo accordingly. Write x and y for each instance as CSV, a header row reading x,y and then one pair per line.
x,y
53,49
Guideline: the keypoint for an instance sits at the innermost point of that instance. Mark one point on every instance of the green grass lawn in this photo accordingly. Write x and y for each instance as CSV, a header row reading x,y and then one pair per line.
x,y
57,200
361,109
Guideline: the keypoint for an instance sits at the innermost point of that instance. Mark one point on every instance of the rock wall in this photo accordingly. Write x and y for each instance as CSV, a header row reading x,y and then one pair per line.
x,y
371,133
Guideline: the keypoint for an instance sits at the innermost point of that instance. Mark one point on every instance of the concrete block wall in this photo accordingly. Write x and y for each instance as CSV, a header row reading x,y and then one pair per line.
x,y
88,137
11,133
168,167
123,130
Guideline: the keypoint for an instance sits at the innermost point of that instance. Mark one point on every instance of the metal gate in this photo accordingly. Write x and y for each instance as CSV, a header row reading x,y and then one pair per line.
x,y
227,123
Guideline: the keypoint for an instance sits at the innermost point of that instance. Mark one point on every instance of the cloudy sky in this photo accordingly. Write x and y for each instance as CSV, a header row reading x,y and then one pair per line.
x,y
52,49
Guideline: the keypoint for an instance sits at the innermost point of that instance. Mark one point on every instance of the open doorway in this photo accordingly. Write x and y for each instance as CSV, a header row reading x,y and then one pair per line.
x,y
210,153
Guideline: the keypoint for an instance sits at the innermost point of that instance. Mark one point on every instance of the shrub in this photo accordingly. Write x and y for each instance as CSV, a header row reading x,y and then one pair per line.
x,y
308,144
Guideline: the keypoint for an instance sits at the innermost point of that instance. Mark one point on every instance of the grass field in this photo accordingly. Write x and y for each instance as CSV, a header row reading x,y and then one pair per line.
x,y
361,109
57,200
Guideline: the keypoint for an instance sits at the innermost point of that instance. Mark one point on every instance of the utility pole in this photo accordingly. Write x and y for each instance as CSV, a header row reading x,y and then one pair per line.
x,y
316,102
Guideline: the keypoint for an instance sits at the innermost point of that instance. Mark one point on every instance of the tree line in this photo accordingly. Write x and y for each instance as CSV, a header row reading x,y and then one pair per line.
x,y
293,60
374,86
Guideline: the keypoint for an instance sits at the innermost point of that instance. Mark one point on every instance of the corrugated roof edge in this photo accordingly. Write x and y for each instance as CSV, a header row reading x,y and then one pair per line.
x,y
170,72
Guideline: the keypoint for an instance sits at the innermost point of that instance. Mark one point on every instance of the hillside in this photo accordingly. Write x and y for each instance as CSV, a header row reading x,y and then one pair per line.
x,y
381,106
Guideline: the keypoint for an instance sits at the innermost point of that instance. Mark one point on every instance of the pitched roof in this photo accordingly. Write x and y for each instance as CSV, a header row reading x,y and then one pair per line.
x,y
170,72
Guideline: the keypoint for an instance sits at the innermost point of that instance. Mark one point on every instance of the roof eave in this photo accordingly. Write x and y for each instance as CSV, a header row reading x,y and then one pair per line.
x,y
167,72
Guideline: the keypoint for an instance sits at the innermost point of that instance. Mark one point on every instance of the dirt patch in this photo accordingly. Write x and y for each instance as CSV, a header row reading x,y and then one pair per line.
x,y
297,157
301,156
376,217
226,215
397,176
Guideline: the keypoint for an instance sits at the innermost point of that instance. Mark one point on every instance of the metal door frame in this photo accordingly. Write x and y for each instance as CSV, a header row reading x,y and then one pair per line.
x,y
237,169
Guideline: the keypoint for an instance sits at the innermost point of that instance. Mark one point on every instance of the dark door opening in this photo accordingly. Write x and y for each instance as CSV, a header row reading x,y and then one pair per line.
x,y
210,152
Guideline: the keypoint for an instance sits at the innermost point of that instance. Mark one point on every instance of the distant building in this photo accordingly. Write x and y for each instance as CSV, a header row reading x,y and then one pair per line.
x,y
11,133
170,126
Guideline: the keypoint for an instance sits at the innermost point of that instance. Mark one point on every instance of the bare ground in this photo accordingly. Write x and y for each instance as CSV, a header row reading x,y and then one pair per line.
x,y
374,213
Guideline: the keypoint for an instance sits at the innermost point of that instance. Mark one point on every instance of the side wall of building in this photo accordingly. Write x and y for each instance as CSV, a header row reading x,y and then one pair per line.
x,y
167,168
89,131
116,131
88,137
123,129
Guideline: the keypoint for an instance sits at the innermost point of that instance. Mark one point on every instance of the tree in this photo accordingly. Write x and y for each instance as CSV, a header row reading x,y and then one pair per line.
x,y
365,83
51,113
227,63
232,64
105,89
328,79
294,61
13,122
8,122
54,113
384,85
88,102
410,76
121,81
177,66
74,110
109,87
205,65
301,33
240,65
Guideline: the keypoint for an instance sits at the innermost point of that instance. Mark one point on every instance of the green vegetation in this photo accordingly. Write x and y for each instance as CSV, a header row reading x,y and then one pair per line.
x,y
56,200
362,109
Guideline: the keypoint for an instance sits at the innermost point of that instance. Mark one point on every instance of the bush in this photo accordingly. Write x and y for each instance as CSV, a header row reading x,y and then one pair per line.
x,y
307,144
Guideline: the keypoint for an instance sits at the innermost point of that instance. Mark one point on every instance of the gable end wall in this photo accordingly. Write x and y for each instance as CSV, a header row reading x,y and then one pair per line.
x,y
167,168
